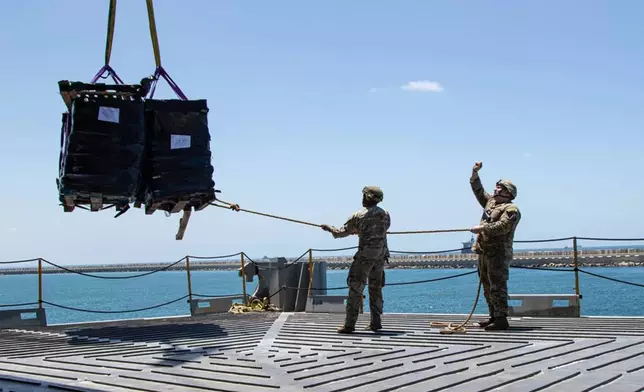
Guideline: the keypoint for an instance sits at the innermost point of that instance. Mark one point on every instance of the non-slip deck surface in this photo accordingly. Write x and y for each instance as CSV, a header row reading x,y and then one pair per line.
x,y
302,352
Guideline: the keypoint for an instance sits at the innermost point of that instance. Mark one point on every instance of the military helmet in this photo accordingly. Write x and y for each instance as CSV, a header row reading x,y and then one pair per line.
x,y
373,193
509,186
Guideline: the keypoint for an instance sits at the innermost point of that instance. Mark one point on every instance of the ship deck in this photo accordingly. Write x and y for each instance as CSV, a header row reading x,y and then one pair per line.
x,y
302,352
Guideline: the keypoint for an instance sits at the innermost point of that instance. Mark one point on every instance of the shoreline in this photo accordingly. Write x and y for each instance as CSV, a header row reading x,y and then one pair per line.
x,y
143,268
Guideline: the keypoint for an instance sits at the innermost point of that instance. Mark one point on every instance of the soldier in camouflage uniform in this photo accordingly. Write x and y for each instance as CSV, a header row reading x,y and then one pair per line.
x,y
371,225
494,245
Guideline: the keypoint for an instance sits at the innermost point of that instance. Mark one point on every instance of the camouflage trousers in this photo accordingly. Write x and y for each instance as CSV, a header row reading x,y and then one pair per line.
x,y
361,272
494,272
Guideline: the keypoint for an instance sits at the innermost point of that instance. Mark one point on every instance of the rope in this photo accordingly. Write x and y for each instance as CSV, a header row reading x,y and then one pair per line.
x,y
452,328
153,33
215,257
114,277
613,279
115,311
431,280
543,268
257,305
18,261
434,252
388,284
610,239
22,304
236,207
216,296
428,231
292,263
111,19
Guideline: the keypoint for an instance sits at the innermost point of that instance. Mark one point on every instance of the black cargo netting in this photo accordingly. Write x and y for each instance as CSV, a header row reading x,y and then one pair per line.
x,y
178,162
103,147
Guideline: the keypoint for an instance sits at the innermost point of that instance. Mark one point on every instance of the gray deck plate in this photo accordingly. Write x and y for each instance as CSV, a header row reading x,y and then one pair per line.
x,y
261,352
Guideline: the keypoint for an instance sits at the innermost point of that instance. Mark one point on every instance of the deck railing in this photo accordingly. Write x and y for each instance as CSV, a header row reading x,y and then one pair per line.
x,y
243,258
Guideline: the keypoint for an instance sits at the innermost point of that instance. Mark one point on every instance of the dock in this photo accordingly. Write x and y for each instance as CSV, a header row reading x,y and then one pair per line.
x,y
300,351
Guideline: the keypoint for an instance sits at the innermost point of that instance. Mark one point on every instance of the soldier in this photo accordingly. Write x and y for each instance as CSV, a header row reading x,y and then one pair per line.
x,y
495,236
371,225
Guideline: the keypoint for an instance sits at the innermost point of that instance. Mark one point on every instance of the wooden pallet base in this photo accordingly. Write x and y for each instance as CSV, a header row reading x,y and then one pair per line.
x,y
177,205
93,202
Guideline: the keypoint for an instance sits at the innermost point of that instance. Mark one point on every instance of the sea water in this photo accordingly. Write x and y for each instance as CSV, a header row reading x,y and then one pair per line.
x,y
600,297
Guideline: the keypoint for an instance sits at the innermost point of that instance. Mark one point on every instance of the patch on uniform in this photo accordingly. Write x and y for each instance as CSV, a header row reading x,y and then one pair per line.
x,y
512,215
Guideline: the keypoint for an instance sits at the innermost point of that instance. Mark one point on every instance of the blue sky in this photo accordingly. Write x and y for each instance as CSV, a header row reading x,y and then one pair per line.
x,y
308,105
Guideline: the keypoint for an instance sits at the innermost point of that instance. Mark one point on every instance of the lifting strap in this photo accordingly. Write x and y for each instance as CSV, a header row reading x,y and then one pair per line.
x,y
153,33
111,20
158,73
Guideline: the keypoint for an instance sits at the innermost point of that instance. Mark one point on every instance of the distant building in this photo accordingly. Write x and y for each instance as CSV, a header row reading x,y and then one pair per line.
x,y
467,246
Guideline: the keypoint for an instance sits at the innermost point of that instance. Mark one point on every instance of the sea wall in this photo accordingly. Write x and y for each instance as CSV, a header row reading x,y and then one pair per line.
x,y
629,257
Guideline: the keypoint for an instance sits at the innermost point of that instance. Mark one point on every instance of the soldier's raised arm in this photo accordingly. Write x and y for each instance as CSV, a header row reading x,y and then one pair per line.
x,y
349,227
477,187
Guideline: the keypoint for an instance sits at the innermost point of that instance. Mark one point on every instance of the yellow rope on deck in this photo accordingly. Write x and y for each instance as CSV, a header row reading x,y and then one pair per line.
x,y
236,207
255,305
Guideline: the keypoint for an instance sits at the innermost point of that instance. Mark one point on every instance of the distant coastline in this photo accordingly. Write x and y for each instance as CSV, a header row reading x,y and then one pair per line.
x,y
609,257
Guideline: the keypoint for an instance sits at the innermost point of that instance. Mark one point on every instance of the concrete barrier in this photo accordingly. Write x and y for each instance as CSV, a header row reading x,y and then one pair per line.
x,y
16,318
326,304
213,305
544,305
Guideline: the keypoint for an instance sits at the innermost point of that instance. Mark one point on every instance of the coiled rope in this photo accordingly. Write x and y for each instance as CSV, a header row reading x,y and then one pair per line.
x,y
452,328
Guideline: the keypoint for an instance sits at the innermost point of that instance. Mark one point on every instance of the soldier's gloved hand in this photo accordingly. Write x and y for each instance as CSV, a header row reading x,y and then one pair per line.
x,y
476,229
477,167
326,228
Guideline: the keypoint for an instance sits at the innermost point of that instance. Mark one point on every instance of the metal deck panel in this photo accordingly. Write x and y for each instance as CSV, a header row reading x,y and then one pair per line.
x,y
262,352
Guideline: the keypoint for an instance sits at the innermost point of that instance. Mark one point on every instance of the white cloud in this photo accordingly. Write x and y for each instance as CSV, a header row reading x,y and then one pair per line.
x,y
13,229
527,155
423,86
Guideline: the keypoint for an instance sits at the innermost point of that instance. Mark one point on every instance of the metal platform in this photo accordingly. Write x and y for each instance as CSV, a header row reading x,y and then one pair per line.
x,y
302,352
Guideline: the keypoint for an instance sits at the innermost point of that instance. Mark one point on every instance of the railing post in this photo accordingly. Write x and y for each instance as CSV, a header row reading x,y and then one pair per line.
x,y
40,283
310,272
189,279
243,274
575,261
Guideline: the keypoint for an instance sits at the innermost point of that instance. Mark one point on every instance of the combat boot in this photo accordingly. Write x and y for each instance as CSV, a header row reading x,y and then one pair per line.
x,y
499,324
346,329
486,323
373,328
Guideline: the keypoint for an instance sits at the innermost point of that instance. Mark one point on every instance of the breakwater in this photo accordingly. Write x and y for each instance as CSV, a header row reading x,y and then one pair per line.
x,y
626,257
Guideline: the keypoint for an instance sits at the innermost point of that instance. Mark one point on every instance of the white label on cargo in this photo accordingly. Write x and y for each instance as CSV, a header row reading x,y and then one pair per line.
x,y
108,114
179,141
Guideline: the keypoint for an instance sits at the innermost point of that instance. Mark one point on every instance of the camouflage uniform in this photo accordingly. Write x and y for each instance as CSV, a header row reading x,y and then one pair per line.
x,y
494,245
371,225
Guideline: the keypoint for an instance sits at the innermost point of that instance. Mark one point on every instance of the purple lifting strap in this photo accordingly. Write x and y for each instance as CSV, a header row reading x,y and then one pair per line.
x,y
160,71
110,72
